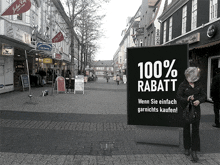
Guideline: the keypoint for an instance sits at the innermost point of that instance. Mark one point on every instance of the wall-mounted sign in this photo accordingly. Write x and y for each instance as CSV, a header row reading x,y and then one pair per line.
x,y
47,61
153,80
17,33
44,46
190,39
7,49
211,31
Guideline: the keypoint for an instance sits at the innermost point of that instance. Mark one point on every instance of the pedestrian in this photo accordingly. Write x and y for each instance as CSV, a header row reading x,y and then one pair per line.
x,y
191,90
107,78
117,79
215,95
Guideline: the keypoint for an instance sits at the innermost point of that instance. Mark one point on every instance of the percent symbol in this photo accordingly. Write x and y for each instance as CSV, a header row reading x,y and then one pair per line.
x,y
167,64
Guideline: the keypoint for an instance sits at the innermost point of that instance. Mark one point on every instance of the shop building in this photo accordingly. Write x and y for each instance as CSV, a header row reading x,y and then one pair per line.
x,y
196,23
24,32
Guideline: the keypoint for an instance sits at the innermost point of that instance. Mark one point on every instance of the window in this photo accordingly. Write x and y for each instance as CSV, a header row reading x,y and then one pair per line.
x,y
184,15
170,28
164,32
194,14
213,9
19,16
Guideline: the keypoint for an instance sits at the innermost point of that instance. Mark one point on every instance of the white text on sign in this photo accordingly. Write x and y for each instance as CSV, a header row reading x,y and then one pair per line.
x,y
149,70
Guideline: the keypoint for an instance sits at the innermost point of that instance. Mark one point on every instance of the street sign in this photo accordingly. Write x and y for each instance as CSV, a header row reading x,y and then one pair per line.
x,y
44,46
154,74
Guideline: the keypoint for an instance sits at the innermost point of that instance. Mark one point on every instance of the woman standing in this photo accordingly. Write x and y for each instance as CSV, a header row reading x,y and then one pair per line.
x,y
190,90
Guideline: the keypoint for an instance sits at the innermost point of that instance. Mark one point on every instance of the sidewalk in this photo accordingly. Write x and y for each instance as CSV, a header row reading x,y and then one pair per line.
x,y
89,128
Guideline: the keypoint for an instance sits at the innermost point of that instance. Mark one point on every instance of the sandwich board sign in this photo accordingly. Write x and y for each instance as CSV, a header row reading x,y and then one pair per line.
x,y
79,83
60,84
154,75
24,81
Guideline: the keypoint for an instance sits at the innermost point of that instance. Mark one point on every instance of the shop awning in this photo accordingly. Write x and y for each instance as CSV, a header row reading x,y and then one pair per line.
x,y
15,43
206,45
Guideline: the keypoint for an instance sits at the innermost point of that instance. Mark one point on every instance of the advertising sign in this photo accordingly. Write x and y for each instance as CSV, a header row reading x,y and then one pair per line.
x,y
7,49
58,56
60,84
44,46
79,83
24,80
18,7
47,61
58,38
153,77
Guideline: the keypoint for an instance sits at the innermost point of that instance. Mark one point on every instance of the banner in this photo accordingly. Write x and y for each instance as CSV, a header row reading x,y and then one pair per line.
x,y
58,38
18,7
153,77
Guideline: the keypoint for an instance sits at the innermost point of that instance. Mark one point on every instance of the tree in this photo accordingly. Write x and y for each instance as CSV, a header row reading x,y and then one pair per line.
x,y
81,13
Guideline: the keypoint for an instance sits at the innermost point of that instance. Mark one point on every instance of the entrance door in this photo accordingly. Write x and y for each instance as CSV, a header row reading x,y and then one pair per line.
x,y
2,78
213,63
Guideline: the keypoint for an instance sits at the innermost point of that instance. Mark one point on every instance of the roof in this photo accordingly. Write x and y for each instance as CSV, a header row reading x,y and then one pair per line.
x,y
102,63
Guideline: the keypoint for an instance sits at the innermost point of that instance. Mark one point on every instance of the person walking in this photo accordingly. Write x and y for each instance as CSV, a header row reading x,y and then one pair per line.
x,y
191,90
107,78
117,79
215,95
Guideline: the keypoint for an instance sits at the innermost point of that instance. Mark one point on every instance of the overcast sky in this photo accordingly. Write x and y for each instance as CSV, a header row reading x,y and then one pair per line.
x,y
117,12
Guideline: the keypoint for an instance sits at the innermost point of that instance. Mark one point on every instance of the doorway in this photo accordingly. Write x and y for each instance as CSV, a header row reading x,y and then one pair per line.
x,y
213,63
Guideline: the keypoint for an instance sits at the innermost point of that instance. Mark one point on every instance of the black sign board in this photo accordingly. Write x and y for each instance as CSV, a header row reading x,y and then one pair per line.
x,y
154,74
24,80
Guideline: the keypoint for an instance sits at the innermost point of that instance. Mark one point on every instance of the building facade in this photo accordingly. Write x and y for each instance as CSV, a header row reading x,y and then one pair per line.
x,y
196,23
24,32
103,68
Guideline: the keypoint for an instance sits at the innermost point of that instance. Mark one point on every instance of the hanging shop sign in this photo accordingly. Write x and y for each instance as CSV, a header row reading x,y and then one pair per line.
x,y
58,38
44,46
7,49
47,61
211,31
18,7
58,56
153,79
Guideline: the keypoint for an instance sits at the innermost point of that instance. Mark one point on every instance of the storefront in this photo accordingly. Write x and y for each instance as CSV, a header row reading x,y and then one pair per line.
x,y
204,51
6,68
13,45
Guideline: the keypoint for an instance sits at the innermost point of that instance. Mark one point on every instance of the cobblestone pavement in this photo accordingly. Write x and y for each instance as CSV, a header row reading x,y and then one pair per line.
x,y
87,129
